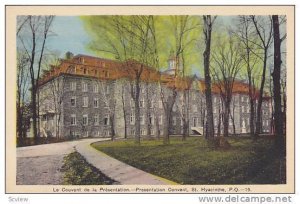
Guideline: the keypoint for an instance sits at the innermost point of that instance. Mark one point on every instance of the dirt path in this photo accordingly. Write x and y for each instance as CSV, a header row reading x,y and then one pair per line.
x,y
40,164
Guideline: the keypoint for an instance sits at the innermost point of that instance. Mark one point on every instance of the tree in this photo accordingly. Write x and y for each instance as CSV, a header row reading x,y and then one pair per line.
x,y
32,35
208,22
109,101
22,88
128,39
246,34
264,32
277,86
227,62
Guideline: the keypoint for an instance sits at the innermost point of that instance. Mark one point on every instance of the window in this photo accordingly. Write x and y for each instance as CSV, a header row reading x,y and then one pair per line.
x,y
132,103
243,109
151,131
84,87
95,88
142,132
73,101
195,122
106,120
151,103
194,96
151,119
160,120
142,102
106,133
85,101
84,71
86,134
195,108
85,119
96,102
107,89
160,105
73,119
242,98
174,120
132,118
96,72
248,109
81,60
106,74
132,131
96,120
73,86
181,121
215,99
142,119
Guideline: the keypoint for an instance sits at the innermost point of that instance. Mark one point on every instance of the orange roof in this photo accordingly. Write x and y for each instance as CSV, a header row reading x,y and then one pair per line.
x,y
106,69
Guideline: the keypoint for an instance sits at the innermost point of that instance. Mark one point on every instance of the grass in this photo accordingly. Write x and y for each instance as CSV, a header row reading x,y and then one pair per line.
x,y
193,162
78,172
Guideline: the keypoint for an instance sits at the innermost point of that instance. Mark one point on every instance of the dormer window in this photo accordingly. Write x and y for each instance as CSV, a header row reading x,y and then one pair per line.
x,y
84,71
81,59
106,74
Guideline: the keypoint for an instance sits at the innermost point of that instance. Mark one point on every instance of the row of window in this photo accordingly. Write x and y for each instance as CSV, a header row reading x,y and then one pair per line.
x,y
85,102
160,120
106,88
94,133
142,131
85,120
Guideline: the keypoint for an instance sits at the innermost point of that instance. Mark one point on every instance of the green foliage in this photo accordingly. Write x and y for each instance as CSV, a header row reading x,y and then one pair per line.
x,y
194,162
147,39
78,172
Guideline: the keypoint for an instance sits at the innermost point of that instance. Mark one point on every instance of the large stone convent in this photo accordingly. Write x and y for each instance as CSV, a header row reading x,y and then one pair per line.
x,y
86,96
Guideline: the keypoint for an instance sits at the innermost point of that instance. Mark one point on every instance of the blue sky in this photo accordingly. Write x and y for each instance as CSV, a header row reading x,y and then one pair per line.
x,y
69,35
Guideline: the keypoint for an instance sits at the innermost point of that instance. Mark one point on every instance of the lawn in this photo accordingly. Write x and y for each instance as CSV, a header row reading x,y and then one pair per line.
x,y
193,162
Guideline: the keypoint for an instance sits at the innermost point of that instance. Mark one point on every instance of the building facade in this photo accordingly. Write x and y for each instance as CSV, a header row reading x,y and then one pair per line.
x,y
92,97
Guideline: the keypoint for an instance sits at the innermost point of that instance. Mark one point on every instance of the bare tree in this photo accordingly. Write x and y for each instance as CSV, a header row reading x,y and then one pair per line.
x,y
227,62
109,101
33,39
208,22
246,34
128,39
264,30
22,88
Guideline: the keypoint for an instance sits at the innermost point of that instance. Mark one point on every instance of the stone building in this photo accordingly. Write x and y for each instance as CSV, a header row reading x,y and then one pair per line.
x,y
91,97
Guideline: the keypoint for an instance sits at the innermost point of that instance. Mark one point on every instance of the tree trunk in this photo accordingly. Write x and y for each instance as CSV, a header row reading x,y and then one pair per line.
x,y
226,118
276,87
124,114
112,127
34,114
260,99
137,113
206,55
166,128
148,111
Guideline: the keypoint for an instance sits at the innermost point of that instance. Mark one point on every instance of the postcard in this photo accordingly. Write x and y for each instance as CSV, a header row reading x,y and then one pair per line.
x,y
150,99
